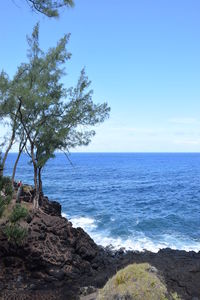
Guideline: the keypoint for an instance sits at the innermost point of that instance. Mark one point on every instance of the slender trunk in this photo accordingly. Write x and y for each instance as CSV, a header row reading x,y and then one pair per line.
x,y
1,169
8,149
15,167
14,126
21,148
40,180
36,198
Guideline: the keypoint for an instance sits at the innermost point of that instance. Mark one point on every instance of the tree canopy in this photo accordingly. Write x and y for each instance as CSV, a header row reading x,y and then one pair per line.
x,y
44,115
50,8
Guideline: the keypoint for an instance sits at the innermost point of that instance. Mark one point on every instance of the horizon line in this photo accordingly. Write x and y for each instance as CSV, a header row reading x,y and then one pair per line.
x,y
124,152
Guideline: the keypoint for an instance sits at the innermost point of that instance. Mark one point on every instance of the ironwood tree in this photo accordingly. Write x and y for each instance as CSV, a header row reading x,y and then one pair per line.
x,y
49,117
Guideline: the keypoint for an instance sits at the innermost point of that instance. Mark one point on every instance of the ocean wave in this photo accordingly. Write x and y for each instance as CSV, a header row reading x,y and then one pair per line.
x,y
64,215
84,222
142,243
137,241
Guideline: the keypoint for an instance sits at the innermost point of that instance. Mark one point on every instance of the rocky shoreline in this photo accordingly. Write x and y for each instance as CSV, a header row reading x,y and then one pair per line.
x,y
57,260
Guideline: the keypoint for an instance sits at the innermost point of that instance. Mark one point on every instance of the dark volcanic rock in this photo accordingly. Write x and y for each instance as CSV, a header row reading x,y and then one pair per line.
x,y
57,259
51,208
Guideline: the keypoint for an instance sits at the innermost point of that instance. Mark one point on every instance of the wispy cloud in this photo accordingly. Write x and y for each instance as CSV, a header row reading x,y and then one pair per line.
x,y
187,142
138,130
184,121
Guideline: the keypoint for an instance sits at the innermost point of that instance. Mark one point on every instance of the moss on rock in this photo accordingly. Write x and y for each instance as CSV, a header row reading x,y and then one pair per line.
x,y
138,282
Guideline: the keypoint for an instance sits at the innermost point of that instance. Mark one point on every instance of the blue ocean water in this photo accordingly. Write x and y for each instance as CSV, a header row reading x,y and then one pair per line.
x,y
132,200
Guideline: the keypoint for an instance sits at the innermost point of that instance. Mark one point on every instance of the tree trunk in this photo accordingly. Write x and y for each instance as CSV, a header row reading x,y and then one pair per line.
x,y
14,126
8,149
21,148
40,181
36,198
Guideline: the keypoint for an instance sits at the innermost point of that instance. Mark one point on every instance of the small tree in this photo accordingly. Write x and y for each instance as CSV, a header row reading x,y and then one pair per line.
x,y
49,116
9,113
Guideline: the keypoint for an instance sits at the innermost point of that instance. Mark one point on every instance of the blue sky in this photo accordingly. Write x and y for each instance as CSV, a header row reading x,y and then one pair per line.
x,y
143,58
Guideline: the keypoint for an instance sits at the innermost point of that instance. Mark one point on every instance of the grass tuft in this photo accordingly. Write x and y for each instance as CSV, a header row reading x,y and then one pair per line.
x,y
136,282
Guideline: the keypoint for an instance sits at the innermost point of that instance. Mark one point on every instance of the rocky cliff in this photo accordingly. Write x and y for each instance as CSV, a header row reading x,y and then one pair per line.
x,y
56,259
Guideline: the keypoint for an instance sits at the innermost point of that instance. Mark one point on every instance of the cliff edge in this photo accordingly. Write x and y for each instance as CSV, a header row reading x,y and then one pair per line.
x,y
55,260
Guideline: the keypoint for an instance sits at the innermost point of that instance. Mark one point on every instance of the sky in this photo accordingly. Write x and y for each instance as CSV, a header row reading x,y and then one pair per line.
x,y
143,58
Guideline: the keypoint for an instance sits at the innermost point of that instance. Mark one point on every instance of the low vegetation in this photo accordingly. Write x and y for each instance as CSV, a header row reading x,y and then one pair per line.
x,y
19,212
136,282
6,191
11,214
14,230
15,233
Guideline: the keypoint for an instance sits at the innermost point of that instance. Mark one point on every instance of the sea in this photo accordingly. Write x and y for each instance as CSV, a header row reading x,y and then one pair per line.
x,y
138,201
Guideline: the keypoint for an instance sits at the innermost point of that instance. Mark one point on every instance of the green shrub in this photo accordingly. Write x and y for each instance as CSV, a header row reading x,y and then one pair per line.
x,y
135,282
8,189
7,200
2,206
19,212
6,185
15,233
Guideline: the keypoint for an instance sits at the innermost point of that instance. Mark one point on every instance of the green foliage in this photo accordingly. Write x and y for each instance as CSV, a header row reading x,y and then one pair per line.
x,y
7,199
135,282
7,184
50,8
43,114
2,206
19,212
42,111
6,191
175,296
15,233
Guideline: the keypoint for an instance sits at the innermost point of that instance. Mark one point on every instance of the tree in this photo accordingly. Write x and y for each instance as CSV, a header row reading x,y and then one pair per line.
x,y
9,110
50,8
50,117
9,113
73,124
22,145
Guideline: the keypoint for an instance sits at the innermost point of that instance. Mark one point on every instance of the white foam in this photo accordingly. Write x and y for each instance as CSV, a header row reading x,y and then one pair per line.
x,y
179,242
141,242
137,241
88,224
64,215
131,243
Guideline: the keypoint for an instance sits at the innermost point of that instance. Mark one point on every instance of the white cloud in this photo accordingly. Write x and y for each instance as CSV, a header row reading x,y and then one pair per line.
x,y
187,142
137,130
184,121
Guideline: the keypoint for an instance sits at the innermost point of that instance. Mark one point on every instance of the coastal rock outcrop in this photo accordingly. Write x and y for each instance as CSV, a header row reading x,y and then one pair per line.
x,y
56,259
